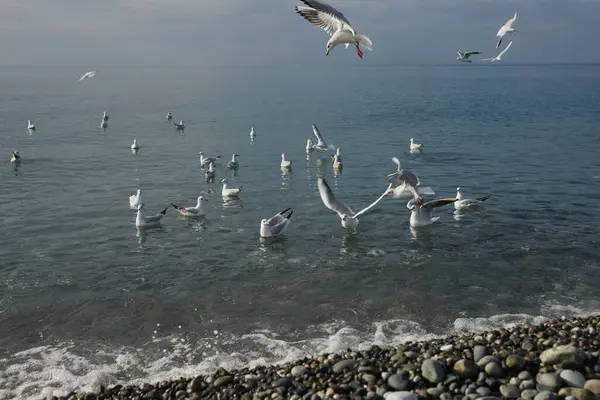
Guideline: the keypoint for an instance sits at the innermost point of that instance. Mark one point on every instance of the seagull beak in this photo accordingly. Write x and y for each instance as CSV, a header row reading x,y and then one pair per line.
x,y
327,52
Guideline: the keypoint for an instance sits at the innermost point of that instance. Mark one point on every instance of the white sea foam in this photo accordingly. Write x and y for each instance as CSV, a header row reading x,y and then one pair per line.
x,y
58,369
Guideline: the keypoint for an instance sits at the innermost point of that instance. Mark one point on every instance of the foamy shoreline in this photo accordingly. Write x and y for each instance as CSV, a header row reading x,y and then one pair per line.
x,y
555,359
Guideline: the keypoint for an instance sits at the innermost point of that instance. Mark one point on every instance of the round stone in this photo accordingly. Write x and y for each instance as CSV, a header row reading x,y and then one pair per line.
x,y
494,370
432,371
344,365
572,378
593,385
398,382
515,362
545,395
483,391
510,391
466,368
525,375
528,394
486,360
298,370
222,380
402,395
548,382
479,352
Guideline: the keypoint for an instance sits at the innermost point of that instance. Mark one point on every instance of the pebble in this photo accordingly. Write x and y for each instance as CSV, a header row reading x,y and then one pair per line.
x,y
510,391
566,354
486,360
479,352
494,370
525,375
344,365
593,385
483,391
528,394
545,395
578,393
548,382
572,378
401,396
432,371
466,368
223,380
298,370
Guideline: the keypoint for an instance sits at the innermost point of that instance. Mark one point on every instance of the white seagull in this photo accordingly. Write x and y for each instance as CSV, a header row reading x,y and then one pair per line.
x,y
276,225
15,158
103,124
499,56
309,146
463,203
207,160
337,159
252,133
409,184
506,29
89,74
169,116
105,117
30,125
349,218
144,221
196,211
414,146
420,213
230,192
233,164
135,145
179,126
285,164
335,24
210,174
464,57
135,199
321,144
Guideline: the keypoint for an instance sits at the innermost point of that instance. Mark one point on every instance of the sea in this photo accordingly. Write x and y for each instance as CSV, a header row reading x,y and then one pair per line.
x,y
87,298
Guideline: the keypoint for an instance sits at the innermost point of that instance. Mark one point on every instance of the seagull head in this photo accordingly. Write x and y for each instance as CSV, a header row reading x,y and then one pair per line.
x,y
330,45
140,206
458,189
201,199
224,181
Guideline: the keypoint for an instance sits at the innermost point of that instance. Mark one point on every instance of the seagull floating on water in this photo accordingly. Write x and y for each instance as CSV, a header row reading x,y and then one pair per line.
x,y
144,221
89,74
135,145
135,199
499,56
252,133
105,117
196,211
337,160
103,124
179,126
420,213
348,218
15,158
464,57
30,125
506,29
169,116
414,146
309,146
230,192
335,24
464,203
207,160
409,184
233,164
209,175
285,164
276,225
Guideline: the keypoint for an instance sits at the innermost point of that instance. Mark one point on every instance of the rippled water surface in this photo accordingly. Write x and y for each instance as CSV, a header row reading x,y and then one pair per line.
x,y
84,296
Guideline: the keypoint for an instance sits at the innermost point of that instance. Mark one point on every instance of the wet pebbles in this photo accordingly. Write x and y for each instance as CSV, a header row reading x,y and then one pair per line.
x,y
555,360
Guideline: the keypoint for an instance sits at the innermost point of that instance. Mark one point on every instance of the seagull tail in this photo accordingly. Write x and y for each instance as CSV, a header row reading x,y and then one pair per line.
x,y
484,198
163,212
290,214
365,42
426,190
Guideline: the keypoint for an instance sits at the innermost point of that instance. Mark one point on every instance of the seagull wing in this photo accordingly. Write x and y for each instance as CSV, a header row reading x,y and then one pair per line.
x,y
364,210
438,203
460,54
321,141
504,51
397,162
330,201
323,16
470,53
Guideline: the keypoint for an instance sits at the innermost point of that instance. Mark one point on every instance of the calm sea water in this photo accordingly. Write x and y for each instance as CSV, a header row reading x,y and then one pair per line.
x,y
85,297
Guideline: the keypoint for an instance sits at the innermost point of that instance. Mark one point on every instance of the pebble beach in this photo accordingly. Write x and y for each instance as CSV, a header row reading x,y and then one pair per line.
x,y
558,359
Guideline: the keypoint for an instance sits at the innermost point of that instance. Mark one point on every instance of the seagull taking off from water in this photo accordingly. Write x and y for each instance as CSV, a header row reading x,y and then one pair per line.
x,y
499,56
463,203
506,29
464,57
276,225
409,184
420,213
348,218
89,74
335,24
321,144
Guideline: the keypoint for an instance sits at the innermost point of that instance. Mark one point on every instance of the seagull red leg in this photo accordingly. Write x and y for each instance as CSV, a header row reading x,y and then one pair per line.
x,y
358,50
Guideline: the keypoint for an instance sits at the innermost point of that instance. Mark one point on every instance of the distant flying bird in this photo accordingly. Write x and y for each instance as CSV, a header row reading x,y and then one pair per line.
x,y
499,56
89,74
464,57
335,24
506,29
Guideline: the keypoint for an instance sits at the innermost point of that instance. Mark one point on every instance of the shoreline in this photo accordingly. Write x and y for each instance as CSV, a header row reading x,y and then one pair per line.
x,y
555,359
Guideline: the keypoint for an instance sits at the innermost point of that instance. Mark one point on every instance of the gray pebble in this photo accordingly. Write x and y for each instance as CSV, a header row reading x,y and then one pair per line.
x,y
486,360
494,370
223,380
479,352
515,381
398,382
466,368
368,378
298,370
528,394
528,384
572,378
515,362
545,395
483,391
548,382
400,396
510,391
432,371
525,375
343,365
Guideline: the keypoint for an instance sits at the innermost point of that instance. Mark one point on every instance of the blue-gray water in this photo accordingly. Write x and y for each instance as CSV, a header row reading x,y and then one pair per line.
x,y
84,297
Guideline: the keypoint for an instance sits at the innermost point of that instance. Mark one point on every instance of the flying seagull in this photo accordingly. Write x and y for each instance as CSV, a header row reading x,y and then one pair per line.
x,y
499,56
505,29
89,74
335,24
464,57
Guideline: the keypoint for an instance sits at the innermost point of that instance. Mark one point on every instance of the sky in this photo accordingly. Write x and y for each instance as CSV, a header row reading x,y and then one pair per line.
x,y
97,33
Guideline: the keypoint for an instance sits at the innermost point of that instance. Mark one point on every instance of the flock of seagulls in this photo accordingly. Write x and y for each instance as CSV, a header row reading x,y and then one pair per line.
x,y
408,184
